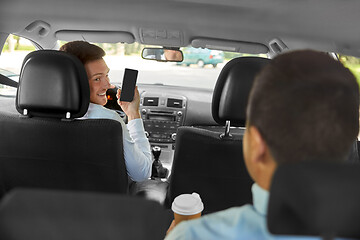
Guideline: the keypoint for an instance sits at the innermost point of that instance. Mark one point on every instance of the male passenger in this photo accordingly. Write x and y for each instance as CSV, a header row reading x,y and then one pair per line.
x,y
304,106
137,152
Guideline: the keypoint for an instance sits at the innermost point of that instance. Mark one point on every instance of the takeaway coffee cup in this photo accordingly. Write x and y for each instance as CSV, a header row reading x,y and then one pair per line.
x,y
186,207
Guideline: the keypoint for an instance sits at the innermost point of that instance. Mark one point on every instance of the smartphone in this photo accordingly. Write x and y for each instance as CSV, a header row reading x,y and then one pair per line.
x,y
128,85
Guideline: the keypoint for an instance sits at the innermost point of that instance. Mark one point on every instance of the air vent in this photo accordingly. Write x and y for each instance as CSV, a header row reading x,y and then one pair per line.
x,y
151,101
175,103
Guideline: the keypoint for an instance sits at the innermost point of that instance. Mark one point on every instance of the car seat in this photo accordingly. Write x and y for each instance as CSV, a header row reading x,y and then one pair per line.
x,y
46,146
210,162
315,199
353,156
48,214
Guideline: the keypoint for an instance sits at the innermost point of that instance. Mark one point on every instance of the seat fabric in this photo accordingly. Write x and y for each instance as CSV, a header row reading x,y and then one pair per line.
x,y
66,215
221,179
315,199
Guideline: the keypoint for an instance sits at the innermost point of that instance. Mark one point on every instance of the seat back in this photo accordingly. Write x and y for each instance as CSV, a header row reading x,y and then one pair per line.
x,y
211,166
315,199
47,147
353,156
205,161
59,215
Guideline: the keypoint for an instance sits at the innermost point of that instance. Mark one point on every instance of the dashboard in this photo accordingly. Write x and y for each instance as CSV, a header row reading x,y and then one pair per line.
x,y
165,108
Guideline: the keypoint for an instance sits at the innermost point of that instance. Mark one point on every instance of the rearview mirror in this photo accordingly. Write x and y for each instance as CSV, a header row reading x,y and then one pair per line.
x,y
162,54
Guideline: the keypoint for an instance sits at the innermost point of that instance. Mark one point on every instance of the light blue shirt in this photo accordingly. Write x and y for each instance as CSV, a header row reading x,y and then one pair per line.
x,y
137,152
246,223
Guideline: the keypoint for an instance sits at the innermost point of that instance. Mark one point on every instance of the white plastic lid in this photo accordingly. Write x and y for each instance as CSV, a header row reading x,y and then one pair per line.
x,y
187,204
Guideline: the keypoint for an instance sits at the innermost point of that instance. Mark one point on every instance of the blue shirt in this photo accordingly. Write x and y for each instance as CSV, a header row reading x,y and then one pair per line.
x,y
137,152
246,222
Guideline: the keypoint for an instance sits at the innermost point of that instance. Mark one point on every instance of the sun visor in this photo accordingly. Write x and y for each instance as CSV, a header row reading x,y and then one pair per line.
x,y
96,36
231,46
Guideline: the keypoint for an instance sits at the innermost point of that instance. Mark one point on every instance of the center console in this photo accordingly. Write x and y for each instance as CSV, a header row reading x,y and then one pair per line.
x,y
162,114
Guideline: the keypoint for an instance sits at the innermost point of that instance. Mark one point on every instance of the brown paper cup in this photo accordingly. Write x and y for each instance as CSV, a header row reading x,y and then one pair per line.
x,y
178,217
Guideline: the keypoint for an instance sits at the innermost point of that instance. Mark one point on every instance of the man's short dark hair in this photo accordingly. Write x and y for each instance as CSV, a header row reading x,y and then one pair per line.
x,y
306,106
85,51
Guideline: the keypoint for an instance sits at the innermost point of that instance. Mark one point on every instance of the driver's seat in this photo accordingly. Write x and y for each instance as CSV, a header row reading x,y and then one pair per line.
x,y
46,146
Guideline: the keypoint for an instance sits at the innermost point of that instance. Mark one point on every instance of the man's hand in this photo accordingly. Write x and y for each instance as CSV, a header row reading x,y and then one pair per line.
x,y
131,109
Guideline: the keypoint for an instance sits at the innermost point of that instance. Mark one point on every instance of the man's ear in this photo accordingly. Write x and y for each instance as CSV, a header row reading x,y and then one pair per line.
x,y
263,164
259,146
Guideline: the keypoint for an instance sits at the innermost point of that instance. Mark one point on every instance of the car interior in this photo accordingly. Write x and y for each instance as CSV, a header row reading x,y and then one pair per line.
x,y
69,174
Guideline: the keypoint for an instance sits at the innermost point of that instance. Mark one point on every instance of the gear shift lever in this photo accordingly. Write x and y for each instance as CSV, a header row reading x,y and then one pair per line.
x,y
158,171
156,151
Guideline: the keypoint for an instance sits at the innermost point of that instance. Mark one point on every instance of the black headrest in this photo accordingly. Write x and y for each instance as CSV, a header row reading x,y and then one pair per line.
x,y
52,84
232,89
315,199
49,214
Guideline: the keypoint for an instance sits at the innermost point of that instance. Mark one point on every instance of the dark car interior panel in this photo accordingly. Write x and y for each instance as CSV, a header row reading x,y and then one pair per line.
x,y
315,199
60,215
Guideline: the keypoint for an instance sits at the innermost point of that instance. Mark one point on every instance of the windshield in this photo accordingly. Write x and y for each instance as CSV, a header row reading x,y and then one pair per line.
x,y
152,72
200,67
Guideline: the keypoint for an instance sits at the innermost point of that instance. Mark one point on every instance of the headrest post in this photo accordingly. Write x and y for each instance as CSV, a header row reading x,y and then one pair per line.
x,y
67,115
227,130
25,112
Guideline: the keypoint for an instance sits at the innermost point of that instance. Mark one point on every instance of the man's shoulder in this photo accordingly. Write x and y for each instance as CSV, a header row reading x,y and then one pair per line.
x,y
98,111
234,223
232,217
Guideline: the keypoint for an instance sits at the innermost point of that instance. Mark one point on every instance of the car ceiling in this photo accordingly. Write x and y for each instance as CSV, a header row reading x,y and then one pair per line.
x,y
329,25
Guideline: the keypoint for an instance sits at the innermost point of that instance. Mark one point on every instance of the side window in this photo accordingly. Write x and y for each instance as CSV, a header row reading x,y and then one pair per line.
x,y
353,63
12,55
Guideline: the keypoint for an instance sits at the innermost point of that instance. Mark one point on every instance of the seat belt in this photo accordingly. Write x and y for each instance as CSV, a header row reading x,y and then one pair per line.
x,y
7,81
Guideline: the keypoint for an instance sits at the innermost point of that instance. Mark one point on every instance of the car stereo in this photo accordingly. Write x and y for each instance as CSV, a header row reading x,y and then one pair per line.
x,y
162,115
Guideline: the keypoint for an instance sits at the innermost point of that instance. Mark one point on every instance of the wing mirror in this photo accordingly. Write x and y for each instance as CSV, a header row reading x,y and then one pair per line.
x,y
163,54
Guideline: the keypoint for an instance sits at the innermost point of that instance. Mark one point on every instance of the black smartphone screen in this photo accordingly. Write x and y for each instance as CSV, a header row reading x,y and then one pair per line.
x,y
128,85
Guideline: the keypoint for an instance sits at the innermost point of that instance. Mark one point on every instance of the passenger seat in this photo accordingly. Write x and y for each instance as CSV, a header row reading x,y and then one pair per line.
x,y
211,162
